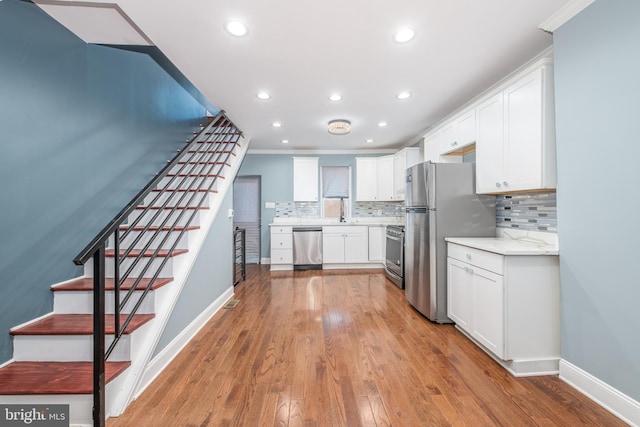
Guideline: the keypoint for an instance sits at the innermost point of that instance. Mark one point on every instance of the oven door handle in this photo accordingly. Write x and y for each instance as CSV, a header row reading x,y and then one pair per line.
x,y
397,239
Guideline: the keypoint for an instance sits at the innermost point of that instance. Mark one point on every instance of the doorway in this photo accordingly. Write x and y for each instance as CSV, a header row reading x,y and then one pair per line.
x,y
247,215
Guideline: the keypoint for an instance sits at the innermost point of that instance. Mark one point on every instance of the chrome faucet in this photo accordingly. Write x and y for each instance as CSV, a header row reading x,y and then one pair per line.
x,y
342,218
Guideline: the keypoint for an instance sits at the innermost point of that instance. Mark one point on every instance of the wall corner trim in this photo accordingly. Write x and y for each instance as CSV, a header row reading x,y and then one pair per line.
x,y
564,14
164,358
616,402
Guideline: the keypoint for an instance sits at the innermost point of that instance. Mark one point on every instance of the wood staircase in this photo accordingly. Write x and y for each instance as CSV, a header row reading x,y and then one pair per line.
x,y
53,358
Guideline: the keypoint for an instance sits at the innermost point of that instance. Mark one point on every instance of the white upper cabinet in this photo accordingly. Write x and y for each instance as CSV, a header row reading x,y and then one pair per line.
x,y
459,133
305,179
516,136
432,148
374,178
402,160
385,178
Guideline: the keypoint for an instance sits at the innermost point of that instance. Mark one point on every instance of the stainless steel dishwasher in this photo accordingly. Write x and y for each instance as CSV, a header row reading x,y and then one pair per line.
x,y
307,248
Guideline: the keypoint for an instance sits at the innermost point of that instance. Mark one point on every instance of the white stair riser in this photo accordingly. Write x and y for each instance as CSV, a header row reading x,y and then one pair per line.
x,y
65,348
139,269
190,182
81,302
149,217
80,405
178,198
156,241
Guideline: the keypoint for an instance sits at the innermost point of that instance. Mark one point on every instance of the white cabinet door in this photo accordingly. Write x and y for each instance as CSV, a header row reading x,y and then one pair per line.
x,y
490,146
447,137
366,179
488,310
332,248
459,293
402,160
305,179
523,133
432,148
377,243
385,182
356,247
465,129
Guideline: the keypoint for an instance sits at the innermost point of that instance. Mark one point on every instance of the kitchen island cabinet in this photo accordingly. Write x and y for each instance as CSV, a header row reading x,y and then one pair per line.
x,y
508,304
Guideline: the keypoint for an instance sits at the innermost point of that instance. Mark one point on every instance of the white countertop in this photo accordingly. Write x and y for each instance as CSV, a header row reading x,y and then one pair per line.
x,y
512,243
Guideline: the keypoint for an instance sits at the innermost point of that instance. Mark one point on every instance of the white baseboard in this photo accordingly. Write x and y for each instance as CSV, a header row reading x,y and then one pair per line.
x,y
616,402
162,360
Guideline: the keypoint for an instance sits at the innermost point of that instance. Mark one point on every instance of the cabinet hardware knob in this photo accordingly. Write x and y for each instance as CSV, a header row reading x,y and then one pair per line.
x,y
506,184
468,256
498,184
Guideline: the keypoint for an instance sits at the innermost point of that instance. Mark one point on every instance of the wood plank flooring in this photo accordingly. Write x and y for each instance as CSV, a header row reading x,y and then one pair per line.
x,y
343,348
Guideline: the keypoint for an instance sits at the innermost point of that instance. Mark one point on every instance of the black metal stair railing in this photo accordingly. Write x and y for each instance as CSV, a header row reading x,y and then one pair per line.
x,y
189,179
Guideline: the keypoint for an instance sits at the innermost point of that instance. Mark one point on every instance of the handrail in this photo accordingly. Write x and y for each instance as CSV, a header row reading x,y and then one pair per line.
x,y
202,159
106,232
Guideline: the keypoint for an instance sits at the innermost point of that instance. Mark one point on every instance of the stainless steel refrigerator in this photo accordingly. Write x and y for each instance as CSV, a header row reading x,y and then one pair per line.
x,y
440,202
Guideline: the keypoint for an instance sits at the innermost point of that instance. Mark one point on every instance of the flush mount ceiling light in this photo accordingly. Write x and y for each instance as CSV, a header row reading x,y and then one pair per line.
x,y
339,127
403,95
404,35
263,95
335,97
236,28
276,124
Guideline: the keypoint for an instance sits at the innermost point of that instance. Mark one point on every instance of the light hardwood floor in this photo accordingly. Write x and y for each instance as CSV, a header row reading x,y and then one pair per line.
x,y
343,348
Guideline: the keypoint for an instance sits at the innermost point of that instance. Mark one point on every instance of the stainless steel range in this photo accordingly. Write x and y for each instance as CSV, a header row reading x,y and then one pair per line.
x,y
394,261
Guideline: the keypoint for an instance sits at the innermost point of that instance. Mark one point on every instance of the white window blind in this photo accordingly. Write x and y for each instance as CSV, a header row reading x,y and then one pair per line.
x,y
335,182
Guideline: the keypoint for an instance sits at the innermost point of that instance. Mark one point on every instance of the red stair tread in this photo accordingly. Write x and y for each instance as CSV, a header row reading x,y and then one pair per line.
x,y
136,252
53,377
78,324
86,284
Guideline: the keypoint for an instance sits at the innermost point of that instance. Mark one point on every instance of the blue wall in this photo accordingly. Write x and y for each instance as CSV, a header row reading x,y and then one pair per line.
x,y
210,276
597,66
83,128
277,181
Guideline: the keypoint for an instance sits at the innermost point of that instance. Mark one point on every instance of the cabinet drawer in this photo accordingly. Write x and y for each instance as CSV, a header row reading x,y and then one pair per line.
x,y
281,256
281,241
281,229
483,259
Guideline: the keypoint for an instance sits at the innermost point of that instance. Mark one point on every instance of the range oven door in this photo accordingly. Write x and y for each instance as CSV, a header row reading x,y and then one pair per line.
x,y
394,261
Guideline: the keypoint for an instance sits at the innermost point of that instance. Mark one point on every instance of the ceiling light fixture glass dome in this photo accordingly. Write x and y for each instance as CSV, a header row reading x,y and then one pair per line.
x,y
404,35
339,127
236,28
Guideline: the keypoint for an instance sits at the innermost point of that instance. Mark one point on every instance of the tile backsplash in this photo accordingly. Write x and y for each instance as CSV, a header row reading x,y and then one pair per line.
x,y
360,209
528,211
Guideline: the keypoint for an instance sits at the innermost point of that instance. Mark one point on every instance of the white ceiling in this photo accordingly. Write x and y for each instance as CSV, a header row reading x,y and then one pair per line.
x,y
302,51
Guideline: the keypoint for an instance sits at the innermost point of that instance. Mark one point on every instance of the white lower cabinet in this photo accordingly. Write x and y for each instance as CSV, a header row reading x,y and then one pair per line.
x,y
377,243
345,244
509,304
281,247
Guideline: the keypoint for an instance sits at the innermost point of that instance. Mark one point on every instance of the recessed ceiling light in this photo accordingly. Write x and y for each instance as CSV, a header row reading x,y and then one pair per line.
x,y
285,141
236,28
276,124
335,97
382,124
403,95
369,140
263,95
404,35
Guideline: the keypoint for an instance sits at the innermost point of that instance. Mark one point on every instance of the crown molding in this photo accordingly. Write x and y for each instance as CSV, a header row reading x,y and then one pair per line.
x,y
565,13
